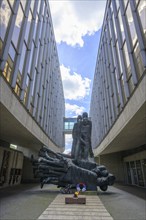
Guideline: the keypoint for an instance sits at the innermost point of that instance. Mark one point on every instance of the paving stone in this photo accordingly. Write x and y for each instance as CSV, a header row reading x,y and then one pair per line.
x,y
92,210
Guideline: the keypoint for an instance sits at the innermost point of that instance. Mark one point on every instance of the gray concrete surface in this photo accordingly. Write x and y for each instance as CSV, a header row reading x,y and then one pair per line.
x,y
28,202
125,202
25,202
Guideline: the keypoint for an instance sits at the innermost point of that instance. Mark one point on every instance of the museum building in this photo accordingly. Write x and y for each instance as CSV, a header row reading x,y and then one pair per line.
x,y
118,101
32,105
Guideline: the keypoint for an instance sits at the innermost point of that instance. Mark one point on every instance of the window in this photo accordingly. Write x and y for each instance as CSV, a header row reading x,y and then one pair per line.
x,y
28,27
121,26
18,83
138,58
119,58
117,4
125,2
25,95
131,84
131,24
32,5
35,27
11,2
114,27
5,13
31,55
17,27
23,3
8,69
12,51
142,14
22,58
126,54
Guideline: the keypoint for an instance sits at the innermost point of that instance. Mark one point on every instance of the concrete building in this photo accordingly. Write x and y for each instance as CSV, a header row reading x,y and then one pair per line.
x,y
118,102
32,105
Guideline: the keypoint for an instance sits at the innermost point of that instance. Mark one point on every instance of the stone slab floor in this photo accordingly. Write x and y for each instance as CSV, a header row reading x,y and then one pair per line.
x,y
92,210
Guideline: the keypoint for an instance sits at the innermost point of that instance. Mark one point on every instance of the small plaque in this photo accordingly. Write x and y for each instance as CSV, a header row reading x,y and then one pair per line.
x,y
70,200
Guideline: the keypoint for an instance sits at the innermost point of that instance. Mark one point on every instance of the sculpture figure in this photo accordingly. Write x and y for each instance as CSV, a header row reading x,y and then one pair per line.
x,y
67,171
61,170
85,138
81,147
76,137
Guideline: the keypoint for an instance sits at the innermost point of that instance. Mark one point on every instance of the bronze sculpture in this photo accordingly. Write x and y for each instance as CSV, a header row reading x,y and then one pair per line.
x,y
67,171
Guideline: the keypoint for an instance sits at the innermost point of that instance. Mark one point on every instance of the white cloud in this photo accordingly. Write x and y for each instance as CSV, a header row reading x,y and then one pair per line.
x,y
75,86
72,20
73,110
68,143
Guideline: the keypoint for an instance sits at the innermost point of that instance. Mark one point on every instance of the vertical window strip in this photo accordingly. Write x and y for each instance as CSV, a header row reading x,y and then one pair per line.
x,y
9,33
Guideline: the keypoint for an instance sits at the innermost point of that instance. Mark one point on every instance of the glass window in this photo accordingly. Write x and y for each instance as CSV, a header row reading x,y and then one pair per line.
x,y
113,53
27,80
117,4
35,27
37,51
121,26
25,95
66,125
32,5
71,124
33,82
28,27
131,84
41,29
126,54
5,13
38,8
142,14
30,60
12,52
43,9
119,58
138,58
18,83
7,71
22,58
115,30
17,27
1,46
23,3
125,2
131,24
11,2
137,1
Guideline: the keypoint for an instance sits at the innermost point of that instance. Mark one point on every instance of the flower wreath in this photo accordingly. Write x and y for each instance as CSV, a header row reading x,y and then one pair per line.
x,y
81,187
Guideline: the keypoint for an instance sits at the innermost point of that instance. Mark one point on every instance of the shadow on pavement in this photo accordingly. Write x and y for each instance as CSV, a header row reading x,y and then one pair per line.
x,y
135,190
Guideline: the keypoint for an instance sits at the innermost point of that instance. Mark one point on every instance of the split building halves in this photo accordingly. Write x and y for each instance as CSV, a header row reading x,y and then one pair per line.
x,y
118,103
31,93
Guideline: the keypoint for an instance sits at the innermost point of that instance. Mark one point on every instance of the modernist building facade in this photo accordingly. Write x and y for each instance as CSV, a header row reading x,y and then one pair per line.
x,y
118,103
32,100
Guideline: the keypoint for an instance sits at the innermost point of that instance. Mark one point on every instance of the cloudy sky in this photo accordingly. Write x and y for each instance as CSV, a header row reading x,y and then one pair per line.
x,y
77,26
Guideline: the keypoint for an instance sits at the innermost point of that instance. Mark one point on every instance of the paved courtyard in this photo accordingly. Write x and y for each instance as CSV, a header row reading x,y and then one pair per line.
x,y
30,202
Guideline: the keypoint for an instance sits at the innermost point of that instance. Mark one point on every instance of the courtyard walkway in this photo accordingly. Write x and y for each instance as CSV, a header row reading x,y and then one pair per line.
x,y
92,210
30,202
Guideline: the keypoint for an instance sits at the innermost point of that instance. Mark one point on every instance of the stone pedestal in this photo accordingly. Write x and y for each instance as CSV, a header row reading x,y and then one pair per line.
x,y
79,200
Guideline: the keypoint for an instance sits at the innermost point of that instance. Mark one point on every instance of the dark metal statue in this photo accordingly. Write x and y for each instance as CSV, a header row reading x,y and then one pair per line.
x,y
67,171
76,137
59,169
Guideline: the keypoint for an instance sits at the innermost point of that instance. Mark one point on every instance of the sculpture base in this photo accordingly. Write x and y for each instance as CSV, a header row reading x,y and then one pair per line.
x,y
69,200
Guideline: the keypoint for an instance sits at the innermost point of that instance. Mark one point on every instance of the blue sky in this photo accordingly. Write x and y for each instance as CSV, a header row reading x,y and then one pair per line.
x,y
80,60
77,27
